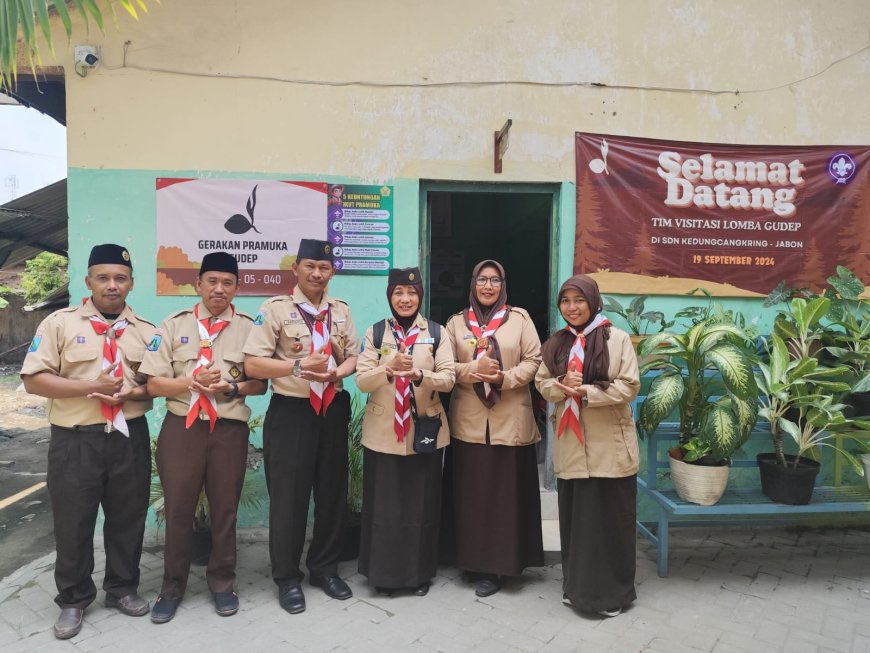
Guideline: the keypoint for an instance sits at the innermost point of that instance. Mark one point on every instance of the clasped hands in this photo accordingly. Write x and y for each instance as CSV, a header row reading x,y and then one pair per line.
x,y
402,366
109,388
488,369
315,367
571,384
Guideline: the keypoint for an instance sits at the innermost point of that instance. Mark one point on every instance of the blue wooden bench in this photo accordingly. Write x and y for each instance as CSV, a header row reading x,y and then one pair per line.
x,y
741,505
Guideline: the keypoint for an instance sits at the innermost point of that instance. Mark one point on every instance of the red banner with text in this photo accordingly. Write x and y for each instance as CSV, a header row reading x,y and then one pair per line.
x,y
664,217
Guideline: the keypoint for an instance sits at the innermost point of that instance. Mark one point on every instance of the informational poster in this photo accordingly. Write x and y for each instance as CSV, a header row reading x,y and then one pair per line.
x,y
258,222
360,226
665,217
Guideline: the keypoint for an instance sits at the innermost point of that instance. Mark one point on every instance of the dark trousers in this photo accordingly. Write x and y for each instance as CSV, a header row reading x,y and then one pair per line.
x,y
88,468
304,451
189,460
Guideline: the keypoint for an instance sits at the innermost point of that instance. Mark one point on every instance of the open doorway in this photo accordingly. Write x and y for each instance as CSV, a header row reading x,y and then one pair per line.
x,y
514,228
512,224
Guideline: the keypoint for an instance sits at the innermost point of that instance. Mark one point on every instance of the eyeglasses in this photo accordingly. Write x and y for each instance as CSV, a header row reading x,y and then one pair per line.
x,y
495,281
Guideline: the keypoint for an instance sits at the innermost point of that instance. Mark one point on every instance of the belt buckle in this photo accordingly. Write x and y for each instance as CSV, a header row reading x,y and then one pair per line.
x,y
108,428
203,416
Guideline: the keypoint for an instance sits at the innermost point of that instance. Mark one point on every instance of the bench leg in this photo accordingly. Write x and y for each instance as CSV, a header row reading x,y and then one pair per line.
x,y
663,543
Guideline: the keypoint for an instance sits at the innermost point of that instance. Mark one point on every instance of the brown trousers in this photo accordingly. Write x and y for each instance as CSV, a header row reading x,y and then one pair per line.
x,y
89,468
188,460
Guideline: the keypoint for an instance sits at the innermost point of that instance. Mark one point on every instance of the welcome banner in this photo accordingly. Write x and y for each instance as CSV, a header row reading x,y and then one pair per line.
x,y
665,217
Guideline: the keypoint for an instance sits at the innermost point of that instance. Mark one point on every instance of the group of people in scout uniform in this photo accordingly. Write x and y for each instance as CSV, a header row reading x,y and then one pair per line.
x,y
100,365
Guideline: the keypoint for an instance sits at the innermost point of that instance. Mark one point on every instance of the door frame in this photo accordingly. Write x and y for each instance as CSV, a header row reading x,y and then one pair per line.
x,y
425,244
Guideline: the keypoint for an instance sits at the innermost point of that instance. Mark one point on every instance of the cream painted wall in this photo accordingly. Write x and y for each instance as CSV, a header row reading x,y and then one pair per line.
x,y
143,118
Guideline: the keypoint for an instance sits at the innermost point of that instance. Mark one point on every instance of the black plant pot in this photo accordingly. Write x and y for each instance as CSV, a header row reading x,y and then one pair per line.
x,y
789,485
200,549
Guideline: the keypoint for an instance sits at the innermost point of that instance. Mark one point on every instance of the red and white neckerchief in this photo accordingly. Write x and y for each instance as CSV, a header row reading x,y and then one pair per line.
x,y
320,394
402,422
111,354
577,355
207,335
484,334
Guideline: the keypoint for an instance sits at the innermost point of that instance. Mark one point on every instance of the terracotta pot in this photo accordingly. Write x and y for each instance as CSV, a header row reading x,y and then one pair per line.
x,y
790,485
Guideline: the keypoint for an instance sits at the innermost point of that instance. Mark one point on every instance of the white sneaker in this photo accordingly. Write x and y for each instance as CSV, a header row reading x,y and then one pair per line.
x,y
610,613
565,599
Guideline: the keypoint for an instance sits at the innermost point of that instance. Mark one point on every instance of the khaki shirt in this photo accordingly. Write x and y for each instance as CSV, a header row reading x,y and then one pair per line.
x,y
66,344
279,330
178,353
371,376
511,420
609,446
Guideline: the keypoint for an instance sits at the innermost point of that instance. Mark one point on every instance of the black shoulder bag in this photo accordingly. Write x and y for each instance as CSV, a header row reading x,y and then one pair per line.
x,y
426,428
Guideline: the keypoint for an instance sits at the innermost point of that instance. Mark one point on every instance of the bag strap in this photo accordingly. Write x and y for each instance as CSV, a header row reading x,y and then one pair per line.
x,y
378,329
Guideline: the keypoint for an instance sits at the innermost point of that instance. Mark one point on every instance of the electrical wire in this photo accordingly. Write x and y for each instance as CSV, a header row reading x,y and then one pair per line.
x,y
477,83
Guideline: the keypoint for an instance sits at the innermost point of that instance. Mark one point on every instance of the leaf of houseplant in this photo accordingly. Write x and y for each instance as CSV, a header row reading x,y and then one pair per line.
x,y
846,283
735,368
650,345
721,431
664,394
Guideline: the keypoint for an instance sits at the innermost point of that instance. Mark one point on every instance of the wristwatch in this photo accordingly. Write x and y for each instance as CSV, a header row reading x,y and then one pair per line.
x,y
234,390
297,368
585,400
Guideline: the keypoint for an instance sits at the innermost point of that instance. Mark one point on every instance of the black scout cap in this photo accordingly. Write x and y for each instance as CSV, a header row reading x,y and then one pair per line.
x,y
316,250
404,277
109,254
219,262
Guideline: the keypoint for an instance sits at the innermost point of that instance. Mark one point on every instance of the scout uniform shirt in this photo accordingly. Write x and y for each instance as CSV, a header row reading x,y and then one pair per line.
x,y
178,352
66,344
280,332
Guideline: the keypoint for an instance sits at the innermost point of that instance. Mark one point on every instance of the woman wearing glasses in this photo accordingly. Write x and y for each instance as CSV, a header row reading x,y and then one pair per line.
x,y
590,372
402,489
496,492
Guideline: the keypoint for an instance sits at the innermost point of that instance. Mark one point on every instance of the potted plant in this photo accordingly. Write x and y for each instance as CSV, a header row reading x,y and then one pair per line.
x,y
639,321
350,548
712,424
800,403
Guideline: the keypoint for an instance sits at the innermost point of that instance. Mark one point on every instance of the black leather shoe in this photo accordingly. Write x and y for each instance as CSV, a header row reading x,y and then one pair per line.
x,y
422,589
333,586
385,591
164,609
131,605
226,604
291,598
487,586
69,622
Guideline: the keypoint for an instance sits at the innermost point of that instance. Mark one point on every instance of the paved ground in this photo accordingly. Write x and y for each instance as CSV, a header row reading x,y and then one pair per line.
x,y
763,589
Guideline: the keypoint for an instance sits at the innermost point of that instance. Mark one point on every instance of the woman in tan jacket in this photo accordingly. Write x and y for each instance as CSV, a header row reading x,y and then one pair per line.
x,y
497,502
401,488
590,372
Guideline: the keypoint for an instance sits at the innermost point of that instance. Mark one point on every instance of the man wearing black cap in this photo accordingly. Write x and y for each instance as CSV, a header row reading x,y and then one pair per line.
x,y
306,343
199,367
85,360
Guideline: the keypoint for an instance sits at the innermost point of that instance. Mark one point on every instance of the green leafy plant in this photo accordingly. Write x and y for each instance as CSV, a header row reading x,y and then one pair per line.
x,y
699,363
639,321
848,335
42,275
27,17
355,454
714,312
799,398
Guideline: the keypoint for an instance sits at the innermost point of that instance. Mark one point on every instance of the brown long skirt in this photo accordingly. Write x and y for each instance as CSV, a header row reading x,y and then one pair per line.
x,y
400,517
597,525
497,501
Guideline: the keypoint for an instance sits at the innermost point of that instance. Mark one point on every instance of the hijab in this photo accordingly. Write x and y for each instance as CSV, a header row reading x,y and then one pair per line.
x,y
555,351
405,322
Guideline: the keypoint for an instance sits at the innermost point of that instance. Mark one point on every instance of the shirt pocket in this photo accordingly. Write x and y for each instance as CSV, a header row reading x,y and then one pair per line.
x,y
374,408
295,340
184,360
81,362
234,362
132,357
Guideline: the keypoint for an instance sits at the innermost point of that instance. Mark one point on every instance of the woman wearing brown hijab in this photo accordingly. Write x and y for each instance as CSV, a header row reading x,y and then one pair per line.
x,y
401,488
496,491
590,372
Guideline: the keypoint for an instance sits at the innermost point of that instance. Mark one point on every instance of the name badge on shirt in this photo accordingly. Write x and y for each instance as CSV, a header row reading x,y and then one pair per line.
x,y
425,341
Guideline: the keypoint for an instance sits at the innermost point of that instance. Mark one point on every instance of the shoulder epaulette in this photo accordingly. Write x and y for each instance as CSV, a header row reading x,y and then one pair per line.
x,y
177,313
278,298
244,315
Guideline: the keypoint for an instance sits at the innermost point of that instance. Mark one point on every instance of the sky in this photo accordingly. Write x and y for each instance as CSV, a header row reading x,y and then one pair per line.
x,y
32,151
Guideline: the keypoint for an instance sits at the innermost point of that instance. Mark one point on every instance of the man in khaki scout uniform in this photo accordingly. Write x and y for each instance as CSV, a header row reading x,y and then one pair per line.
x,y
199,367
306,343
85,360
